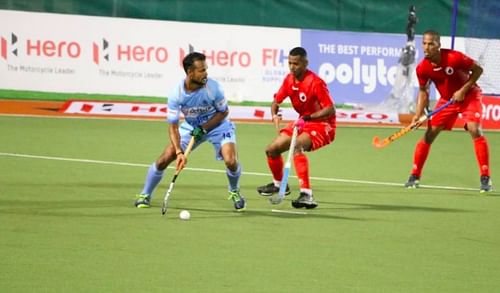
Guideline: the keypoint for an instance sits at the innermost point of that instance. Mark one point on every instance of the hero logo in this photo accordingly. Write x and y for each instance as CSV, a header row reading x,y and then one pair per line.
x,y
49,48
221,58
8,47
40,48
98,51
129,53
491,112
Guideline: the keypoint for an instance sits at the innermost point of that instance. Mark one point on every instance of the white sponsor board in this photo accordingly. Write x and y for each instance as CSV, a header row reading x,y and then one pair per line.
x,y
236,112
84,54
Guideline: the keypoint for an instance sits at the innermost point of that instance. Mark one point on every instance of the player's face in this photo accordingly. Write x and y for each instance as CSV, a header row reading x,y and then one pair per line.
x,y
198,73
297,66
431,46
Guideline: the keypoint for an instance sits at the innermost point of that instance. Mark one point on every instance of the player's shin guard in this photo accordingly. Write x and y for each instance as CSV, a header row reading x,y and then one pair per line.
x,y
421,153
482,155
276,166
302,169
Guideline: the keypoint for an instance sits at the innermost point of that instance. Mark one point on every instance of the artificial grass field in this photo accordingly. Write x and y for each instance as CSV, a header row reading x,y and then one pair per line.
x,y
68,223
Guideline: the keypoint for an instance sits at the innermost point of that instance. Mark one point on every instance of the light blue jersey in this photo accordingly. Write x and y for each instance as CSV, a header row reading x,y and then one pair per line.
x,y
198,107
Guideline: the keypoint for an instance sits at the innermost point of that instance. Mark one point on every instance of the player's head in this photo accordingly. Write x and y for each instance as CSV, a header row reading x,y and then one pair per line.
x,y
195,67
297,62
431,43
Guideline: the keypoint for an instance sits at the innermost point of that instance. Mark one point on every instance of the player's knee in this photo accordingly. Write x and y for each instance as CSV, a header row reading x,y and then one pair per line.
x,y
271,152
161,164
231,163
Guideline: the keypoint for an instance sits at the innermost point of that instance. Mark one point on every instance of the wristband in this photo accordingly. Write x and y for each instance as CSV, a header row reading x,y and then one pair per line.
x,y
306,117
179,152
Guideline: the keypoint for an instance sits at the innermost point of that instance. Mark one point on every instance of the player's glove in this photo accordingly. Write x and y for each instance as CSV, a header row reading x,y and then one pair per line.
x,y
198,133
299,123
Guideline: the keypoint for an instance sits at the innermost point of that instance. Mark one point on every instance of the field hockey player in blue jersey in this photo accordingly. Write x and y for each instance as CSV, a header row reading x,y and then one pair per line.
x,y
205,110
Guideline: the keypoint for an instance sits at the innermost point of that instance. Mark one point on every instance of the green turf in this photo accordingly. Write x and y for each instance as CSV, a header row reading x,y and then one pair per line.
x,y
69,225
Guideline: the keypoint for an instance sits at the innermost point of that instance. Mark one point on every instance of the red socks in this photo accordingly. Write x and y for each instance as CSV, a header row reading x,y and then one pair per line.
x,y
421,152
480,148
276,166
302,169
482,155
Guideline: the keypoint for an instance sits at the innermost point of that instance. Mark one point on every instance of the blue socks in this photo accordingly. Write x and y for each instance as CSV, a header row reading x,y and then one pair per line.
x,y
234,178
153,177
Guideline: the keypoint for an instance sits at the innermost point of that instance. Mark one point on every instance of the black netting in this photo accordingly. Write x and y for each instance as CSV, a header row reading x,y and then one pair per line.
x,y
482,41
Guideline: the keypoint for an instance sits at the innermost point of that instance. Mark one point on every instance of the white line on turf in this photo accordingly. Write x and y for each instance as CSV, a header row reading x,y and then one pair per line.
x,y
367,182
288,212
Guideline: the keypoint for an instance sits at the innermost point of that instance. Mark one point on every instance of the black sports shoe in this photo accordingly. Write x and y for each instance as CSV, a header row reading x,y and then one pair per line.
x,y
304,201
413,181
485,184
270,189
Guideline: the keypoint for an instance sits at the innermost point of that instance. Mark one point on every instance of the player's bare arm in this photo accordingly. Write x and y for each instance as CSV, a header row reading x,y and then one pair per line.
x,y
422,102
215,120
175,140
275,107
323,113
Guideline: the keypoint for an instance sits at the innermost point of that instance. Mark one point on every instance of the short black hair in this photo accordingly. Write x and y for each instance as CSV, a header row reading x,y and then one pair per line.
x,y
298,51
190,58
434,34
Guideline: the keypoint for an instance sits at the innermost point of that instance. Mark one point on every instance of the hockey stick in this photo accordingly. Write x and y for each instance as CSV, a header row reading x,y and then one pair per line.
x,y
167,195
386,141
276,199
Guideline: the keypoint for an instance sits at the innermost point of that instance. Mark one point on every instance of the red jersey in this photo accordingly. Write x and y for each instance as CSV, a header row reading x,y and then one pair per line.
x,y
448,76
307,96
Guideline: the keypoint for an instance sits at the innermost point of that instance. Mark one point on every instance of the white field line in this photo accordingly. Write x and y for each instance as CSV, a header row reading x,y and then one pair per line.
x,y
288,212
367,182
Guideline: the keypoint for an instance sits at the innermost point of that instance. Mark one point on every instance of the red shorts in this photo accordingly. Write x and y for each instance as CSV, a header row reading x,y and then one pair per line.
x,y
321,133
471,110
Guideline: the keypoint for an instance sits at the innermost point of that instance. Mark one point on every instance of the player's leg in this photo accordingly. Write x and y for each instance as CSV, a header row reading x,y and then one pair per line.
x,y
420,155
223,138
154,176
443,120
275,161
233,172
301,164
471,115
314,136
156,170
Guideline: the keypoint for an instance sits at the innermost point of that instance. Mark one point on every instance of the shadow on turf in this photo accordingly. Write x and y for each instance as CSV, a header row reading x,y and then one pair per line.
x,y
68,208
249,212
398,208
101,209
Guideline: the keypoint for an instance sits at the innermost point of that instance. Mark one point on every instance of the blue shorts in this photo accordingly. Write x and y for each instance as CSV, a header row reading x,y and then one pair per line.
x,y
220,135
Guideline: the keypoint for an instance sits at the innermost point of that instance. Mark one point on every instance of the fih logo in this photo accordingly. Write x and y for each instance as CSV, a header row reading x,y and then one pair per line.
x,y
6,46
103,50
